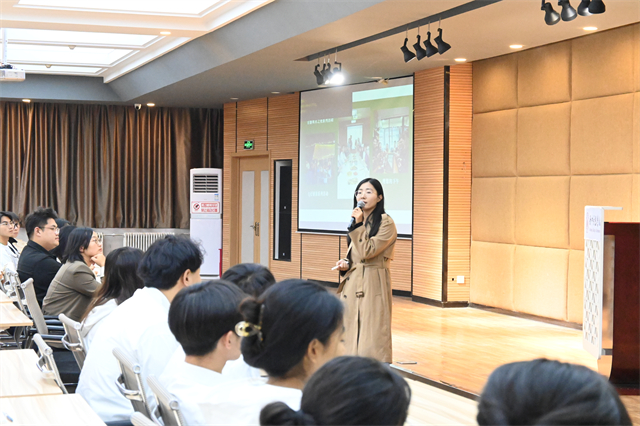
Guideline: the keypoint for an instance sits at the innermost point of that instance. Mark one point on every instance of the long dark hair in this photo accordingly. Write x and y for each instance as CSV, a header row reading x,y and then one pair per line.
x,y
376,215
79,238
544,392
290,314
347,390
63,237
120,279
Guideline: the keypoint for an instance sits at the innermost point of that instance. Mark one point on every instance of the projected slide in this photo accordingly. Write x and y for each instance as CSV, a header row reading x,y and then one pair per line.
x,y
350,133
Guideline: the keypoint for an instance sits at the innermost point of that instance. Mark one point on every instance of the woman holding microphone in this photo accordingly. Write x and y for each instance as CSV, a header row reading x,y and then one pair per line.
x,y
365,288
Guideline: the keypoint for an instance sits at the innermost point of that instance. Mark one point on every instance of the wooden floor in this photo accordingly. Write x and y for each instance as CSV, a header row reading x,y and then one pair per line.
x,y
462,346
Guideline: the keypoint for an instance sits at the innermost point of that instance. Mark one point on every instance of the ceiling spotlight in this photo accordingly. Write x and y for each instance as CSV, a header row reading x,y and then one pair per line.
x,y
26,101
597,6
420,52
338,77
460,59
165,32
590,28
568,13
234,99
326,72
583,8
443,46
48,65
71,47
516,46
408,55
551,17
151,104
431,49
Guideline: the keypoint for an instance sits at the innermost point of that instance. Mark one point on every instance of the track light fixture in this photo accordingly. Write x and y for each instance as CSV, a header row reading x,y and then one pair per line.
x,y
326,72
338,77
597,6
431,49
326,76
568,13
443,46
420,52
408,55
318,74
583,8
551,17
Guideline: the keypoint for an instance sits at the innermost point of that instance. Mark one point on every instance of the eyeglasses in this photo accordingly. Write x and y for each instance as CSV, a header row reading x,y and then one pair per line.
x,y
53,228
9,224
360,192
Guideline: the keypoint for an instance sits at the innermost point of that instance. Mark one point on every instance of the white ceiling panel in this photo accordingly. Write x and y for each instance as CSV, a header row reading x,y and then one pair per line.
x,y
160,7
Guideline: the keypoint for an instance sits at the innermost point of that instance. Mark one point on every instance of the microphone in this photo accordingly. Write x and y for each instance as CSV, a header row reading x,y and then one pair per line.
x,y
353,219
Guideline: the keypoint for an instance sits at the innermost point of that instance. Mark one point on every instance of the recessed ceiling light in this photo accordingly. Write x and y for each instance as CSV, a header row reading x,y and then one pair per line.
x,y
165,32
234,99
516,46
26,100
275,93
461,59
151,104
590,28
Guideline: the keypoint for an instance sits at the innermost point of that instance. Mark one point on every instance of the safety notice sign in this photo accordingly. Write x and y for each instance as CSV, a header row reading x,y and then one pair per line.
x,y
205,207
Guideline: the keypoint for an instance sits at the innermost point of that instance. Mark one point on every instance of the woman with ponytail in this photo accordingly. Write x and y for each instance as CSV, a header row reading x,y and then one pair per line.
x,y
366,281
289,331
347,391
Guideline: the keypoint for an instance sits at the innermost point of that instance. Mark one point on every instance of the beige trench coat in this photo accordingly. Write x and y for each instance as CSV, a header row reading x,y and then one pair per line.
x,y
366,291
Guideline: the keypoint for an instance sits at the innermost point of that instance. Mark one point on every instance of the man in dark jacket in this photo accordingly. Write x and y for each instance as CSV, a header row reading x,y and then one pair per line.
x,y
35,261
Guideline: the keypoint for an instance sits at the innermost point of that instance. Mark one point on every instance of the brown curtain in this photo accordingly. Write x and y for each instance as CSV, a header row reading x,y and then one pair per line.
x,y
103,165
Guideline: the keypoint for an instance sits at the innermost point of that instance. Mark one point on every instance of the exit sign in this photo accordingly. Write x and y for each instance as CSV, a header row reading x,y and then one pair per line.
x,y
248,144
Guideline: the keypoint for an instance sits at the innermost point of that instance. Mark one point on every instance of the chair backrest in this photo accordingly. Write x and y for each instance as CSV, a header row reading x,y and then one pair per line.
x,y
168,407
139,419
72,338
46,363
34,307
14,290
130,382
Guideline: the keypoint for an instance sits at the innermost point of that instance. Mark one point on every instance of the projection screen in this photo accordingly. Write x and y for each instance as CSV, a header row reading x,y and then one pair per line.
x,y
350,133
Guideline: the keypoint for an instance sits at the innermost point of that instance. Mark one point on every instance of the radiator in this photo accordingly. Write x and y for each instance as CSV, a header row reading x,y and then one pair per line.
x,y
142,240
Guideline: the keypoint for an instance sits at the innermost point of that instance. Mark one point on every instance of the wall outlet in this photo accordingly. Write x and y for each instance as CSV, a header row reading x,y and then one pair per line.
x,y
460,279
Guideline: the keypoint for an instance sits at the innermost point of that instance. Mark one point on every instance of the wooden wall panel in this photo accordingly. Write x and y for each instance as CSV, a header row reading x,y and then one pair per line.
x,y
460,119
283,145
428,183
319,255
401,266
252,123
229,140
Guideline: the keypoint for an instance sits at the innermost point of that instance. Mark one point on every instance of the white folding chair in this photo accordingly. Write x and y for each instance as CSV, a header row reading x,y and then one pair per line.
x,y
130,384
46,363
168,407
139,419
72,339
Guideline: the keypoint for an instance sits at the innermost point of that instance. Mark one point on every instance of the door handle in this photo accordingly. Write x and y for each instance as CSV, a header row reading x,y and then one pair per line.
x,y
256,228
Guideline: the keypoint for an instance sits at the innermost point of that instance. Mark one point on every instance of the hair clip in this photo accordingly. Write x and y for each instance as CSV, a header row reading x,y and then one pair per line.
x,y
246,329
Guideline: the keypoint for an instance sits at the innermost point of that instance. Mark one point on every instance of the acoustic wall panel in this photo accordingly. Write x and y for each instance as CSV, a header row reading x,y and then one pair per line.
x,y
319,255
602,135
636,132
494,139
542,211
603,63
495,84
493,207
229,141
401,266
252,123
575,286
492,267
550,64
540,281
543,140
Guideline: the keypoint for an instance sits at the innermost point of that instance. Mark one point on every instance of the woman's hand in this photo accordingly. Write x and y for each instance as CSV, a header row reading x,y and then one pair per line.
x,y
342,265
98,259
357,214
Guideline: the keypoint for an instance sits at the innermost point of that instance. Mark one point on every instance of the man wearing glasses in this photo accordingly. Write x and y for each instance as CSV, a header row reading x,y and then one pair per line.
x,y
8,257
36,261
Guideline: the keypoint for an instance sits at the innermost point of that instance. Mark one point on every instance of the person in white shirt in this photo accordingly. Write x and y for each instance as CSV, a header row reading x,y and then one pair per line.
x,y
203,319
348,390
289,332
120,281
139,327
8,254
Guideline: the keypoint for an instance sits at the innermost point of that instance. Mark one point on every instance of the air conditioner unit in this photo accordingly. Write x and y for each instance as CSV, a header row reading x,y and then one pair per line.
x,y
206,217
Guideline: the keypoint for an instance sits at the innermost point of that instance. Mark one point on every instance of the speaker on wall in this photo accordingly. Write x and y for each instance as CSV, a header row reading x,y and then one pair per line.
x,y
283,198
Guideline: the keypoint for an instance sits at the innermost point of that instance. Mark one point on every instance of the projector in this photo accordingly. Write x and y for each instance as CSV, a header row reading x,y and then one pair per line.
x,y
11,74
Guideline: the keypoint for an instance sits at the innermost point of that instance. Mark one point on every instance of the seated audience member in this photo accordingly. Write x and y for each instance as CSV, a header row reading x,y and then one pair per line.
x,y
120,281
8,256
203,319
252,278
63,237
75,283
347,391
36,261
289,332
16,244
544,392
139,327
